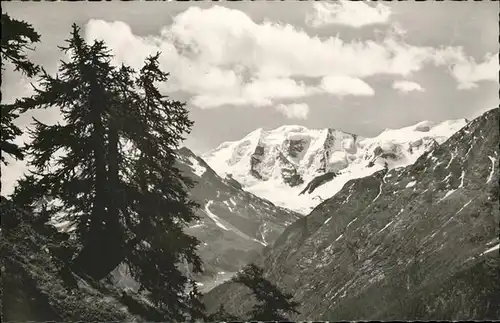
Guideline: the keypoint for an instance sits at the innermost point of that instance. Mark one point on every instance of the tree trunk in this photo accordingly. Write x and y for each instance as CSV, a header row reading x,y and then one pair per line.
x,y
114,189
85,262
93,256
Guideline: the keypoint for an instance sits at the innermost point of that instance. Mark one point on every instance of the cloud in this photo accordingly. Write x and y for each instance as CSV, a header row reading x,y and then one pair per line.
x,y
350,13
407,86
258,92
467,72
220,56
344,85
15,86
294,110
277,88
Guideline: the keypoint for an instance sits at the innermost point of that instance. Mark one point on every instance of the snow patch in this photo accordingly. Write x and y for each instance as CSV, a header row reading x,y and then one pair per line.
x,y
228,227
213,216
195,226
347,199
447,194
351,222
379,192
386,226
472,145
492,169
411,184
451,159
464,206
491,249
263,230
229,207
196,166
462,179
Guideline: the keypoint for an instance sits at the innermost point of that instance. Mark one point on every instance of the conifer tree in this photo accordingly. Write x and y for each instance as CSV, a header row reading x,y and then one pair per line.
x,y
69,159
17,36
272,304
156,193
222,315
111,166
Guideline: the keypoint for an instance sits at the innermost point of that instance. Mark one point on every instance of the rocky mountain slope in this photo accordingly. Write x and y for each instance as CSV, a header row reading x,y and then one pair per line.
x,y
419,242
234,224
282,163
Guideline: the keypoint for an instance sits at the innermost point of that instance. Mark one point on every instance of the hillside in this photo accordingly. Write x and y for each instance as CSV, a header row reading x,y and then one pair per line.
x,y
36,288
419,242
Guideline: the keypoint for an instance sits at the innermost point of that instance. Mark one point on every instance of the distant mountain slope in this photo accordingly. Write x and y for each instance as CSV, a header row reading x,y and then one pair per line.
x,y
419,242
235,225
282,163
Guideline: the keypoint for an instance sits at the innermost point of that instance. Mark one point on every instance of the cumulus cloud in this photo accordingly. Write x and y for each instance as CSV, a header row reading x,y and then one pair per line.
x,y
344,85
467,72
350,13
294,110
258,92
407,86
220,56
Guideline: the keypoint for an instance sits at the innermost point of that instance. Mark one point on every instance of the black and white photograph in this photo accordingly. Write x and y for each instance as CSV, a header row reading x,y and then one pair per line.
x,y
237,161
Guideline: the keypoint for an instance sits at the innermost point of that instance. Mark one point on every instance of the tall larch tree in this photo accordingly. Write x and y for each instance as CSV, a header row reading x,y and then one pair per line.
x,y
110,167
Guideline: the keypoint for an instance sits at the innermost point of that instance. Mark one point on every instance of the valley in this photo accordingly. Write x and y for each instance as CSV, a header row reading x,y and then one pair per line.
x,y
404,243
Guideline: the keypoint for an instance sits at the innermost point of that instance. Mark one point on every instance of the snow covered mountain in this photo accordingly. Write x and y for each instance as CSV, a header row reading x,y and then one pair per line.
x,y
414,243
297,168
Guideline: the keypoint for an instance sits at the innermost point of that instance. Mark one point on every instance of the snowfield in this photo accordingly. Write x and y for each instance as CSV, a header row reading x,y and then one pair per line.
x,y
259,159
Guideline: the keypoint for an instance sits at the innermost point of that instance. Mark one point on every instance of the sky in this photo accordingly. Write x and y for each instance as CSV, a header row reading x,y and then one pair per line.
x,y
360,67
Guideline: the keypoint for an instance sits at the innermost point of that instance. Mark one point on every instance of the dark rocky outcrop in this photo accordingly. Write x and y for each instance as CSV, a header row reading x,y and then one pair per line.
x,y
295,147
318,181
256,160
289,172
231,181
404,244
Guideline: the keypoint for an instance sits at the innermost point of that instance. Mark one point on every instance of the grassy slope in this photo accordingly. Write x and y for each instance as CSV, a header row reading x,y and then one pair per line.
x,y
33,288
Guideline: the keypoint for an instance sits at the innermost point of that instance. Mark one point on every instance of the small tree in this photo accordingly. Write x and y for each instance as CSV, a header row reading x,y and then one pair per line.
x,y
222,315
17,36
272,304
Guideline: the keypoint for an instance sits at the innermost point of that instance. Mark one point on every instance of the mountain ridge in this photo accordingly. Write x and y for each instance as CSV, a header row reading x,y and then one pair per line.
x,y
280,164
410,244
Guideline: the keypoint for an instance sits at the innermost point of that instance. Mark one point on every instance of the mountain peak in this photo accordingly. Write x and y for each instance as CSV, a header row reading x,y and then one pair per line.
x,y
279,164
